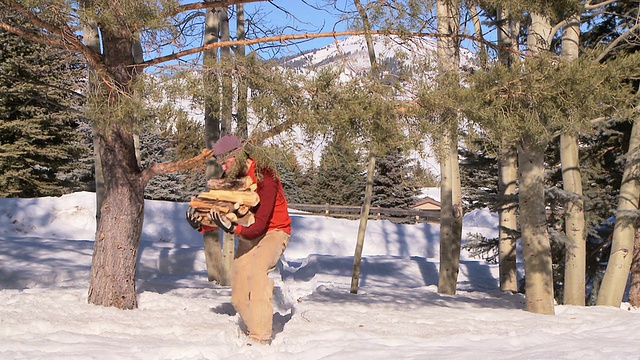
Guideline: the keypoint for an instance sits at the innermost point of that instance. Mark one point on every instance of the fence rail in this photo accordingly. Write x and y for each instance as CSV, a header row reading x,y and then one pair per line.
x,y
353,212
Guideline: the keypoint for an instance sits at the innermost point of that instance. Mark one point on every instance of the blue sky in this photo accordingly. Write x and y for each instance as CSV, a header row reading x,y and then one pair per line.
x,y
297,16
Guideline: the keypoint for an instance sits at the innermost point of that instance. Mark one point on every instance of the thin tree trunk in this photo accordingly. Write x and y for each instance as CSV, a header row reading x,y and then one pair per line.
x,y
91,37
212,239
227,80
483,55
507,214
507,172
364,215
536,247
243,130
228,242
450,190
615,277
574,222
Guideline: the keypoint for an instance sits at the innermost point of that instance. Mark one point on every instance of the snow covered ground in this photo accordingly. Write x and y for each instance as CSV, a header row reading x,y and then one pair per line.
x,y
45,257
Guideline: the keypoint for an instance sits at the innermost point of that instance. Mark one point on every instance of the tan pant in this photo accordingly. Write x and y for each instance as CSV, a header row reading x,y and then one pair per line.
x,y
251,288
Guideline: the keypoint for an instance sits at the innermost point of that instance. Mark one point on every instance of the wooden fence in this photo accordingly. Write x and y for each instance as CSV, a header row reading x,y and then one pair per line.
x,y
353,212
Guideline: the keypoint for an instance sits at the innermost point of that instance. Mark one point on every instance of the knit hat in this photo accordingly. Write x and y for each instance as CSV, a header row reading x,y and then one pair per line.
x,y
226,147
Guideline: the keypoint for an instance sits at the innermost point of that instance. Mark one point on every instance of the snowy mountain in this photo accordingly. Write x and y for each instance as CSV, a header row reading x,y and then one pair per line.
x,y
351,54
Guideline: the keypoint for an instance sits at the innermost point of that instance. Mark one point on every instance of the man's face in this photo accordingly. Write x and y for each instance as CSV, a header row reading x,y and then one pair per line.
x,y
233,167
228,163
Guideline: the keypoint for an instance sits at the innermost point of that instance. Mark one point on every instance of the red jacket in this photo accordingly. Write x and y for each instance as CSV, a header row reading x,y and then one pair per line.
x,y
272,211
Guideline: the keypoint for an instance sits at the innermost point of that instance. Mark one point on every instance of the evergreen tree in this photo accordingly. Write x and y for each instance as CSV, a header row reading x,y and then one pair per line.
x,y
393,184
39,142
478,175
339,179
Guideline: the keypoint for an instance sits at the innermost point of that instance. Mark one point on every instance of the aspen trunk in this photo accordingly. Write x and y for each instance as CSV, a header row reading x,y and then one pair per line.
x,y
91,37
574,221
242,126
615,277
364,216
212,239
450,190
634,288
507,171
507,177
536,247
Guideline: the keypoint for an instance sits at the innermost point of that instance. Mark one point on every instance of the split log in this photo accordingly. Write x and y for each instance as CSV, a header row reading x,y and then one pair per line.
x,y
249,198
231,198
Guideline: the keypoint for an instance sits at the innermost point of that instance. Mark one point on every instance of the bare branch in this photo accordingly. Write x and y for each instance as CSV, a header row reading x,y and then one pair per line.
x,y
613,44
283,38
589,6
167,168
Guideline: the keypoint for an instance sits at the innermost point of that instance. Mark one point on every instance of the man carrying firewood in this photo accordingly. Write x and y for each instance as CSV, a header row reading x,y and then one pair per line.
x,y
260,244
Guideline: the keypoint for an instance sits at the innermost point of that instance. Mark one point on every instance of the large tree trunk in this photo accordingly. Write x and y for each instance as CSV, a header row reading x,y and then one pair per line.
x,y
117,239
615,277
536,247
118,234
507,171
450,188
574,222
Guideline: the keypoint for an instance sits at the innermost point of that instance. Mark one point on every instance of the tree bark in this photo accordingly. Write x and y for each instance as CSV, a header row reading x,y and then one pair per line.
x,y
364,216
507,215
536,247
117,239
507,171
118,234
91,38
212,239
634,287
226,120
615,277
574,221
242,125
450,190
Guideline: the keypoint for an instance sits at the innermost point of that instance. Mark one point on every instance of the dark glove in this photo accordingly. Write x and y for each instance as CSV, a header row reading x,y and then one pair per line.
x,y
222,222
194,220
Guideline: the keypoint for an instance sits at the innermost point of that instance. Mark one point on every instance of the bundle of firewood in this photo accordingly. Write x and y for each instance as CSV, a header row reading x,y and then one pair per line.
x,y
231,197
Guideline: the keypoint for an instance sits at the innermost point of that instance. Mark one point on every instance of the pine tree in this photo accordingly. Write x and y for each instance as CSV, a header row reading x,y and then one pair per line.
x,y
393,185
339,180
39,144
